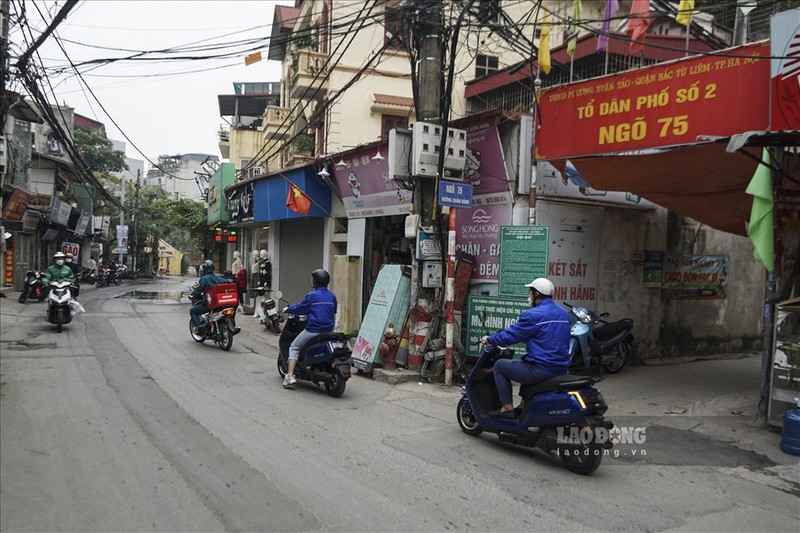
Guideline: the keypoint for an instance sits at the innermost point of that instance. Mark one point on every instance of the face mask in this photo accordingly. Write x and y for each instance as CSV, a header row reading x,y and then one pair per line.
x,y
530,301
60,262
69,260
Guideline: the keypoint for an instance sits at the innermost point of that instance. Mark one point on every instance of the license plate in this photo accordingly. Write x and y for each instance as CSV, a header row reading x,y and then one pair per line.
x,y
272,312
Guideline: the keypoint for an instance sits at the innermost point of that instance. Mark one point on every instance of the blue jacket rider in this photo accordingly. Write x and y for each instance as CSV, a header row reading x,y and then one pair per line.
x,y
545,330
320,306
208,279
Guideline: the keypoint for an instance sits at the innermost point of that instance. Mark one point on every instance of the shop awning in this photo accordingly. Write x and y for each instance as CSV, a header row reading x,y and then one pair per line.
x,y
706,182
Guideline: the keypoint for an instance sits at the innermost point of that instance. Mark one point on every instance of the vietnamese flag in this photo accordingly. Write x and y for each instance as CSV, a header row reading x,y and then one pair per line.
x,y
298,201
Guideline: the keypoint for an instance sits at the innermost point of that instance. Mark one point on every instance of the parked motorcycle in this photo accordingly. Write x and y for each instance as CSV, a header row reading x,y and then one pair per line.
x,y
594,342
219,324
59,298
32,287
102,277
87,276
270,316
325,359
114,276
563,416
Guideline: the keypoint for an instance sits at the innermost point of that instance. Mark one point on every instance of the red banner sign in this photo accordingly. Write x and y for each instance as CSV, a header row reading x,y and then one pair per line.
x,y
663,105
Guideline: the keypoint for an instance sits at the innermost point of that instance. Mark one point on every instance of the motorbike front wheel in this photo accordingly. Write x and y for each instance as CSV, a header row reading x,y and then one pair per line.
x,y
224,337
117,281
335,387
198,337
283,366
466,418
59,320
617,358
23,295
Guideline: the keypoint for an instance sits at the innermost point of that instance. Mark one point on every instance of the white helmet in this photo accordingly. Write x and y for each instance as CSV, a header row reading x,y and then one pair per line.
x,y
543,286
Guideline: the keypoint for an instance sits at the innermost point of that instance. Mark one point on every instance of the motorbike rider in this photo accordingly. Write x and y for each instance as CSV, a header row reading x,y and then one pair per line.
x,y
76,272
58,271
206,280
545,330
320,306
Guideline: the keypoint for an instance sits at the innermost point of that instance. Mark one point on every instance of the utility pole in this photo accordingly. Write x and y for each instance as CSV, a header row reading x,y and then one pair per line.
x,y
121,214
135,244
428,103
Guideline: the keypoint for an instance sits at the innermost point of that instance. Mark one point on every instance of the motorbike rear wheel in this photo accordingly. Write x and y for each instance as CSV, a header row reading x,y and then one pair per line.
x,y
582,459
614,361
335,388
224,337
466,418
117,281
276,326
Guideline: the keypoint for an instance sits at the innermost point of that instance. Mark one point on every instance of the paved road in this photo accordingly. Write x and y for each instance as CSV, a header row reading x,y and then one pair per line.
x,y
123,423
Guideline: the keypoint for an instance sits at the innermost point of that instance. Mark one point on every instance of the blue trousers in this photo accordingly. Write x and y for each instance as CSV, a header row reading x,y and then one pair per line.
x,y
196,312
508,370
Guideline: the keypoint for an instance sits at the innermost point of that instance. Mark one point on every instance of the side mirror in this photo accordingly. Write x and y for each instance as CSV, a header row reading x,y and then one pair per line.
x,y
482,317
278,295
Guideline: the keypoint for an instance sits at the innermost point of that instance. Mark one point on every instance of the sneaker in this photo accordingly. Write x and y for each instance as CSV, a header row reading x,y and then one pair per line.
x,y
288,381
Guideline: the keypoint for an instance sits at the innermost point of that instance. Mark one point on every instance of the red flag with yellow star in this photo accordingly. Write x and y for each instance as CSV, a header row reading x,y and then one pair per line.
x,y
298,201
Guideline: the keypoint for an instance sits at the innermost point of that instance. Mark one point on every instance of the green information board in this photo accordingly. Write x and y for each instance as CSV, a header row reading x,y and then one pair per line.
x,y
523,257
501,312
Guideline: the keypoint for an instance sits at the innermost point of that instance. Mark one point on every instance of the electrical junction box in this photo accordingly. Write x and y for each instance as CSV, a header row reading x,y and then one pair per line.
x,y
431,274
425,144
399,157
455,156
412,221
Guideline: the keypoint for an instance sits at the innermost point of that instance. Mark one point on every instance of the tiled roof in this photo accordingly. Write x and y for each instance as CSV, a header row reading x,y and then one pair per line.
x,y
387,99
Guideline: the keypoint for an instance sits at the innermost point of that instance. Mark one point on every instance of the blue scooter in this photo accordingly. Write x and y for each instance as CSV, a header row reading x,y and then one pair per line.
x,y
596,343
562,416
324,359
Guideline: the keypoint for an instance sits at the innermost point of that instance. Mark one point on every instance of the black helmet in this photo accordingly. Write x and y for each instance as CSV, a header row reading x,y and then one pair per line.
x,y
208,266
320,277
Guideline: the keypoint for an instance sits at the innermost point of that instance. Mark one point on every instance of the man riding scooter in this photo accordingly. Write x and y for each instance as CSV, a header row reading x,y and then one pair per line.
x,y
545,330
207,280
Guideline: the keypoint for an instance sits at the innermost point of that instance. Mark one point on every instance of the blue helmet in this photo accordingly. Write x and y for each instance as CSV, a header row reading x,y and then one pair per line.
x,y
208,266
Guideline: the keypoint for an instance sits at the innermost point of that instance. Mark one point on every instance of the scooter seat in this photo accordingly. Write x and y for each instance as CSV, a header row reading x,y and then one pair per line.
x,y
609,331
561,382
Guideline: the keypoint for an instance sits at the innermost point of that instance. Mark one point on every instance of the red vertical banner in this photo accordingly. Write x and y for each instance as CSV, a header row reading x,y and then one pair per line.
x,y
785,70
9,266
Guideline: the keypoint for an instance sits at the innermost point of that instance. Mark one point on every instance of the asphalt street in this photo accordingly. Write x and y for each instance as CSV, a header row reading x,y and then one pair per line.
x,y
123,423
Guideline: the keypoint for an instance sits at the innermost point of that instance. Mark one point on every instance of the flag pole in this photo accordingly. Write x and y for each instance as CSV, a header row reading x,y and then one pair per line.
x,y
688,25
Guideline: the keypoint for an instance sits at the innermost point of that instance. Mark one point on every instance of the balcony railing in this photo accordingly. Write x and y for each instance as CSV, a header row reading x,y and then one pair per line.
x,y
309,81
276,123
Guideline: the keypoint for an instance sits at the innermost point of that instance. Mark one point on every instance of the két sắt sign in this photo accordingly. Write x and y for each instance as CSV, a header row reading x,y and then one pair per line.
x,y
662,105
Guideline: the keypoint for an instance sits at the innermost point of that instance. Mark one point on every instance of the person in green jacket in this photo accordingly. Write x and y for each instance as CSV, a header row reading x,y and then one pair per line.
x,y
58,271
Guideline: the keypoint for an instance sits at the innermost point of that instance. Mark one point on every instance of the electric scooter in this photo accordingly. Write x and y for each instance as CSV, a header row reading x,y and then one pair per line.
x,y
563,416
325,359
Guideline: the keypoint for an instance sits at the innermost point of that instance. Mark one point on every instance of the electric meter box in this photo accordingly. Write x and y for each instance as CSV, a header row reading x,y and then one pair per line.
x,y
431,274
426,144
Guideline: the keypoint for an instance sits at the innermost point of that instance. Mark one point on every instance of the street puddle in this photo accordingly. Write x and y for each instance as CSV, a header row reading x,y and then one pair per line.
x,y
166,297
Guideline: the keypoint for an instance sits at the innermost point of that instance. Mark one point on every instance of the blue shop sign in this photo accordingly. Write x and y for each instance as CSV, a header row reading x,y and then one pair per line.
x,y
271,192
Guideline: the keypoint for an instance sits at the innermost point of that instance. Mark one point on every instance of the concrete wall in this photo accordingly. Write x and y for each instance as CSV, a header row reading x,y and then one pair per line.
x,y
679,328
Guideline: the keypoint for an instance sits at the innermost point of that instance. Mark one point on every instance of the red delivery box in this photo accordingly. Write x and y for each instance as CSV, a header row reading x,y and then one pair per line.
x,y
222,295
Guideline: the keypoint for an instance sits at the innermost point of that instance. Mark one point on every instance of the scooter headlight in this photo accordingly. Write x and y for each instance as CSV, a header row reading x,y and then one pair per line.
x,y
583,316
